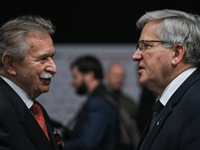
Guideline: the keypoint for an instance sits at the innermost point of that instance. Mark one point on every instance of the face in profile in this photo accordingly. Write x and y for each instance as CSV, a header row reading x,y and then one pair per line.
x,y
154,64
34,72
78,81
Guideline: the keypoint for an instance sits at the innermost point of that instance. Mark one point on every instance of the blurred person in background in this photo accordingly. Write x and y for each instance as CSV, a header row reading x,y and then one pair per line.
x,y
115,79
95,126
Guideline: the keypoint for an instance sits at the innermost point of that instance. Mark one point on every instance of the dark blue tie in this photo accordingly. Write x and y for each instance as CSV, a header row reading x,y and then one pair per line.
x,y
155,115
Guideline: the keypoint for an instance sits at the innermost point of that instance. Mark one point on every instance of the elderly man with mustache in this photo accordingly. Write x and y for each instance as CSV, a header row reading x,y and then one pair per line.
x,y
26,69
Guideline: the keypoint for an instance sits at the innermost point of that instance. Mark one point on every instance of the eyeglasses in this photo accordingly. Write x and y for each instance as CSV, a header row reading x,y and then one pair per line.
x,y
143,44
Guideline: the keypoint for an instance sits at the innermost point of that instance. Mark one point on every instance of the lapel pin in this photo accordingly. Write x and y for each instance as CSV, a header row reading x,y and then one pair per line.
x,y
58,137
158,122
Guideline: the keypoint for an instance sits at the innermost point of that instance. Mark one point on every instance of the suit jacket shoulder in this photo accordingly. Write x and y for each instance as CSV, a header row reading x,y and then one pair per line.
x,y
18,122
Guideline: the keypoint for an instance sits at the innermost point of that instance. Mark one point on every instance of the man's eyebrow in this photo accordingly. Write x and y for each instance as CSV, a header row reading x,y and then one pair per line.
x,y
47,55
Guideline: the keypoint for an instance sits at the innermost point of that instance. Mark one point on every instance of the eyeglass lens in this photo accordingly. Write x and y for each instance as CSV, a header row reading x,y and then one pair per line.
x,y
141,46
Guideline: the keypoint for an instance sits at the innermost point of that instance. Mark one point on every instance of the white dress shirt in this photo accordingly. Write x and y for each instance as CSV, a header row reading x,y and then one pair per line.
x,y
174,85
22,94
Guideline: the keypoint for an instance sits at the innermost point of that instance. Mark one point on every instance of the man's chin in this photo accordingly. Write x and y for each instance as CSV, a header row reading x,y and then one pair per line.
x,y
142,82
45,89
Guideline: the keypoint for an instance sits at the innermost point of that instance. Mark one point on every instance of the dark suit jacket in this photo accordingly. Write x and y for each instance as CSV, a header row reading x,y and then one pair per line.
x,y
18,128
96,127
178,126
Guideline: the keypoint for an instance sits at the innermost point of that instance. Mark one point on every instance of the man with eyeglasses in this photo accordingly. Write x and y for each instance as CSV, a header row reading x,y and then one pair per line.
x,y
168,56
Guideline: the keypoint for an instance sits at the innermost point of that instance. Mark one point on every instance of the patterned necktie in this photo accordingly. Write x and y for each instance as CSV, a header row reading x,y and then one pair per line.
x,y
37,111
155,115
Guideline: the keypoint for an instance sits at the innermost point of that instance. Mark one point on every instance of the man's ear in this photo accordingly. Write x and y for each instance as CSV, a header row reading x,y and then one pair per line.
x,y
89,75
179,51
8,64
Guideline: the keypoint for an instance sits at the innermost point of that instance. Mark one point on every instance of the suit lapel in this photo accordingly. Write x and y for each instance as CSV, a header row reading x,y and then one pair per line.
x,y
143,135
50,130
175,98
36,134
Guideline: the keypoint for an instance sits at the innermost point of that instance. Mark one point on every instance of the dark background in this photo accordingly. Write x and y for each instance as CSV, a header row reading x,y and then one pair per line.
x,y
92,21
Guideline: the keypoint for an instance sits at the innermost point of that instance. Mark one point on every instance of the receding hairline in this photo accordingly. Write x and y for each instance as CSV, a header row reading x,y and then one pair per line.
x,y
114,65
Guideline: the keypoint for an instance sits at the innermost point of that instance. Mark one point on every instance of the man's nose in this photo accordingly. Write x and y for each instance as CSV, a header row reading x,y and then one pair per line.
x,y
51,66
137,55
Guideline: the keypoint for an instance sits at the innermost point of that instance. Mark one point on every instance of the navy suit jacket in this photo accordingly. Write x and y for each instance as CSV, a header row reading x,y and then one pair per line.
x,y
96,126
178,126
19,129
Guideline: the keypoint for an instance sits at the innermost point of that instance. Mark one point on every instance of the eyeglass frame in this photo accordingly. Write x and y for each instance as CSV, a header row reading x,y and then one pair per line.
x,y
143,41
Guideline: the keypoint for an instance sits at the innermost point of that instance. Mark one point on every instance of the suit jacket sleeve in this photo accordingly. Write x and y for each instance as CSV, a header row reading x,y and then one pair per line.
x,y
99,114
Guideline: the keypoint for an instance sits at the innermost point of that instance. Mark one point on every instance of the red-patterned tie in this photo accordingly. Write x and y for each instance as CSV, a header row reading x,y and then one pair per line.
x,y
37,111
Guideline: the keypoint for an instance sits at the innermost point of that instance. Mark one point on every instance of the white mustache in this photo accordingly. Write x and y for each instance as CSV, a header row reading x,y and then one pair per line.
x,y
47,75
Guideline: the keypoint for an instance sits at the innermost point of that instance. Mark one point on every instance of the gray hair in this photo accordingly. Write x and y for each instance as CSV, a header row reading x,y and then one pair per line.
x,y
177,27
14,32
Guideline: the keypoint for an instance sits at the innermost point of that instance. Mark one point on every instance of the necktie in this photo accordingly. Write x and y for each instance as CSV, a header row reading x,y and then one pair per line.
x,y
155,115
37,111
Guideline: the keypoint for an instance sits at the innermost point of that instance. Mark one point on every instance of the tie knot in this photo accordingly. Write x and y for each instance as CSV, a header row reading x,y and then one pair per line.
x,y
159,106
35,108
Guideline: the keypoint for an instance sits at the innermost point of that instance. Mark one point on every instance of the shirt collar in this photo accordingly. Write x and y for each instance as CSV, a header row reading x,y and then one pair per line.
x,y
174,85
22,94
